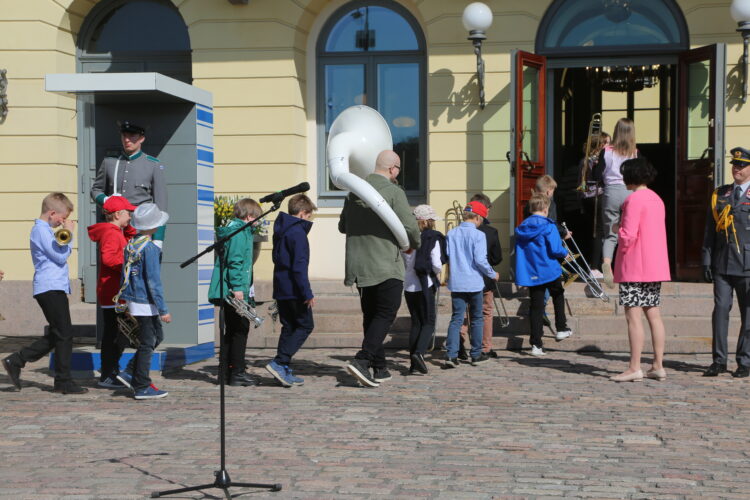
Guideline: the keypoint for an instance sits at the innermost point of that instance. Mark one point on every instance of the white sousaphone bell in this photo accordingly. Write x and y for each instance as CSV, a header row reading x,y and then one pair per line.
x,y
356,138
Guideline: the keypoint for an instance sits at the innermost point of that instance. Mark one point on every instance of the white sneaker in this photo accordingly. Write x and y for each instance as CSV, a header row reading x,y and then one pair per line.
x,y
597,274
537,351
563,334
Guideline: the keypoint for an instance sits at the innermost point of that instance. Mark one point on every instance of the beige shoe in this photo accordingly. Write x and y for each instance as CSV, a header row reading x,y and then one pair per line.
x,y
659,374
628,377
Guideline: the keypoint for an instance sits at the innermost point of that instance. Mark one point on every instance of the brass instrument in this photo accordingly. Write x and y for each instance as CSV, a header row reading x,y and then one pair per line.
x,y
63,236
574,265
595,132
245,310
504,318
127,325
453,216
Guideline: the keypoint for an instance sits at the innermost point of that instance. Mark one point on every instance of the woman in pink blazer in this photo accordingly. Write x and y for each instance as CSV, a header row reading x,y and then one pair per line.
x,y
641,265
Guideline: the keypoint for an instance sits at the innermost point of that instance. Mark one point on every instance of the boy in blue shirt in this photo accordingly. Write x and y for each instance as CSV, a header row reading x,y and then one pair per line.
x,y
51,289
291,285
538,246
466,247
142,290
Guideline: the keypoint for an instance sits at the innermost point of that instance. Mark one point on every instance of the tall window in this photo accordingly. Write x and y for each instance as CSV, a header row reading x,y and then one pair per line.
x,y
372,53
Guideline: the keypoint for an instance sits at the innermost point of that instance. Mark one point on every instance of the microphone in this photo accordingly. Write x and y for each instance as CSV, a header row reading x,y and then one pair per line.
x,y
278,196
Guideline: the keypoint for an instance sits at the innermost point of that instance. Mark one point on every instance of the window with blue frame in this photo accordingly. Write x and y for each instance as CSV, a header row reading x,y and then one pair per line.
x,y
372,53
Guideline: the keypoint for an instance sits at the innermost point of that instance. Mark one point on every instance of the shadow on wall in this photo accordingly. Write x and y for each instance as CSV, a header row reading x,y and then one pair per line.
x,y
734,87
455,104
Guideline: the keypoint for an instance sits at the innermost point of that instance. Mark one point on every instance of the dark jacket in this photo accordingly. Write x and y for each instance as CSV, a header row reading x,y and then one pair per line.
x,y
720,247
494,251
538,246
291,258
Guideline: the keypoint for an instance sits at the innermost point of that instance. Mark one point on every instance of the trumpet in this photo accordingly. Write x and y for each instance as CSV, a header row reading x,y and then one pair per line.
x,y
245,310
574,265
63,236
453,216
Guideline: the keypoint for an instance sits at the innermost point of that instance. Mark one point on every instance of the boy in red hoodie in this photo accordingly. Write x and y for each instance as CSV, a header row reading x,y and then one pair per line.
x,y
112,236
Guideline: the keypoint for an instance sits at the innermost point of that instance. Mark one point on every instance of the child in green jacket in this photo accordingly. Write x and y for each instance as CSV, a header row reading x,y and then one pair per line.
x,y
238,277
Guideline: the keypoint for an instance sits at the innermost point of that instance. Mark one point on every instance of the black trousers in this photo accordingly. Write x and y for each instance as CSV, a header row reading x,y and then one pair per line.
x,y
150,335
296,325
536,293
423,317
59,335
235,340
380,305
111,351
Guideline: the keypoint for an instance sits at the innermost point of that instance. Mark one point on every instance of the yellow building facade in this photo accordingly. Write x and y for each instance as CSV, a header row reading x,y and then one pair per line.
x,y
260,61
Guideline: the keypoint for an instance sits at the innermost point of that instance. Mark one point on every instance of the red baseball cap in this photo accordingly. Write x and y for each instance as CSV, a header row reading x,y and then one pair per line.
x,y
476,207
117,203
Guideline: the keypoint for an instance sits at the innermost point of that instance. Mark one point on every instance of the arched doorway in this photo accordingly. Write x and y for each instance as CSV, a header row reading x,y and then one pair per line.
x,y
621,58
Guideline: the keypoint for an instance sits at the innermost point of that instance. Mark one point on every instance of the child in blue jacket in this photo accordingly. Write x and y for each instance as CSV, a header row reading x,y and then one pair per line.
x,y
291,285
538,246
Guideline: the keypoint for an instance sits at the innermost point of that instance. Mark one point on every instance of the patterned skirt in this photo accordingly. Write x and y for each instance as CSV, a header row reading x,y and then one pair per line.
x,y
640,294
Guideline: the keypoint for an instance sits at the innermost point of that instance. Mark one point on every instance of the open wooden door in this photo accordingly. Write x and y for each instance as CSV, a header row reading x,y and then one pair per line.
x,y
528,106
700,150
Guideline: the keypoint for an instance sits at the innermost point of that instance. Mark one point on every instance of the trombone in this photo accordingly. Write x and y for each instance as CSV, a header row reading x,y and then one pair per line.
x,y
575,265
504,318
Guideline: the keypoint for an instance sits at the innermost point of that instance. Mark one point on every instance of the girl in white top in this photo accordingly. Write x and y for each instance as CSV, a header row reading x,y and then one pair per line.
x,y
421,284
623,148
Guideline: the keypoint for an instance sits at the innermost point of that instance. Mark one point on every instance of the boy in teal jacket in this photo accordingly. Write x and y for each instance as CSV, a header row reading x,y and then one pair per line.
x,y
238,277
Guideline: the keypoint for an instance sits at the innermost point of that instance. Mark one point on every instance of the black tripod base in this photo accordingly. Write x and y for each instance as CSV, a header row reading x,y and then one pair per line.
x,y
222,482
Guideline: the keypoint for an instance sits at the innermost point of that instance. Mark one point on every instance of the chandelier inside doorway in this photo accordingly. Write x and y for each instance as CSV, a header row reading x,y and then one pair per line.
x,y
624,78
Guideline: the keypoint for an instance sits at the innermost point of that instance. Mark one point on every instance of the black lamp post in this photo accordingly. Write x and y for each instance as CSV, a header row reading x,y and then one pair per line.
x,y
740,10
477,18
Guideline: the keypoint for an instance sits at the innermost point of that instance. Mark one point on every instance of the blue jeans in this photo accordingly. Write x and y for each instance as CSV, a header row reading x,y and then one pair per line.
x,y
150,335
460,300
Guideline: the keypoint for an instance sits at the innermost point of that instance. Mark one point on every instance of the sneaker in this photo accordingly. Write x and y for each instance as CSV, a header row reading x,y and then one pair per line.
x,y
279,372
492,354
597,274
537,351
111,383
451,363
418,364
563,334
480,359
149,393
70,388
241,379
381,374
462,354
295,380
360,369
14,372
125,378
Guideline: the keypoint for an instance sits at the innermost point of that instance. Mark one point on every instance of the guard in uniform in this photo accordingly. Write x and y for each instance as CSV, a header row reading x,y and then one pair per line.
x,y
726,262
133,174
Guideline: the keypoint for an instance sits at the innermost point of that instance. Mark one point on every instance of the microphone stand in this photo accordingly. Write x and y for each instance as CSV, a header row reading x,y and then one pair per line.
x,y
222,481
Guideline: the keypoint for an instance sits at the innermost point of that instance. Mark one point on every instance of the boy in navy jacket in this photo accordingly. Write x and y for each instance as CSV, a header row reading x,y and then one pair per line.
x,y
538,246
291,285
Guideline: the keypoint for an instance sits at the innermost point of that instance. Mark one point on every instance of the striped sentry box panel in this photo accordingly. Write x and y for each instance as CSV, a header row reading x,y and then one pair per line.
x,y
205,200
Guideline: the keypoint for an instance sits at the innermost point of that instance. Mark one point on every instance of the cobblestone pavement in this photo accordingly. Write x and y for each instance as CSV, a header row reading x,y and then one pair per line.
x,y
515,427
